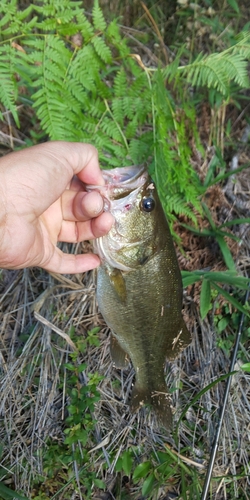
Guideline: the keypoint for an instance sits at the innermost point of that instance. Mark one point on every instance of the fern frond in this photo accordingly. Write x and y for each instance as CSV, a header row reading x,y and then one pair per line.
x,y
8,83
85,27
242,45
98,18
140,149
13,20
52,100
218,70
85,67
120,84
117,110
102,49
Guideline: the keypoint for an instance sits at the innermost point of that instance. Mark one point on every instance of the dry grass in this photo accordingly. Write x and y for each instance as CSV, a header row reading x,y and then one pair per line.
x,y
38,311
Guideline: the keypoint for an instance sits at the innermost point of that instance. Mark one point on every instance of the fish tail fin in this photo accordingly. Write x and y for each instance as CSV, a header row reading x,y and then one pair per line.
x,y
160,402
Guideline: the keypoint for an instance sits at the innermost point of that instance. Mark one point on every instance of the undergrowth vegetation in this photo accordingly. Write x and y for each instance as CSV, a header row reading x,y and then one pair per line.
x,y
69,73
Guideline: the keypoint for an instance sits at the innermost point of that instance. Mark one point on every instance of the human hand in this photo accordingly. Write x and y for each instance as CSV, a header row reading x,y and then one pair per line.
x,y
43,201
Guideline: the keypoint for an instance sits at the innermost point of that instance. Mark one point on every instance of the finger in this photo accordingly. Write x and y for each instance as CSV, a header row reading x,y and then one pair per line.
x,y
70,264
73,232
81,206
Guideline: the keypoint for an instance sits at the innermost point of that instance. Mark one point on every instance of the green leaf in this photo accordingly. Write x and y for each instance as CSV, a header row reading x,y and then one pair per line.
x,y
141,470
235,221
127,462
69,366
7,493
222,324
228,277
234,5
81,367
226,253
245,367
205,298
99,483
148,485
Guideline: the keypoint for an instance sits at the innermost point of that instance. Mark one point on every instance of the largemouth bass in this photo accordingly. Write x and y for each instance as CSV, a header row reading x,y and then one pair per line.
x,y
139,286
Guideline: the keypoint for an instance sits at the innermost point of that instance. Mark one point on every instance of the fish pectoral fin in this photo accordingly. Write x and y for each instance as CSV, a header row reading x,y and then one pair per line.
x,y
118,283
118,355
159,401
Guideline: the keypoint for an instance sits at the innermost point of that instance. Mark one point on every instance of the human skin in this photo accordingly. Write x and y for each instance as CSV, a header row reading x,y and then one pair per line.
x,y
43,202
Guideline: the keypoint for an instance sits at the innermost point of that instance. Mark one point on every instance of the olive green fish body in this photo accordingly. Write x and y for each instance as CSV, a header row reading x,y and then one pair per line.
x,y
139,292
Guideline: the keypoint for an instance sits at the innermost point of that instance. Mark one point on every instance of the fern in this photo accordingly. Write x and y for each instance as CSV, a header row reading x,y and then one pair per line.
x,y
102,49
172,164
8,83
94,91
219,70
98,18
50,60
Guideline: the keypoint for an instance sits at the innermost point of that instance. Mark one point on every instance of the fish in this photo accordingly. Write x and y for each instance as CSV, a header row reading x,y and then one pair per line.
x,y
139,286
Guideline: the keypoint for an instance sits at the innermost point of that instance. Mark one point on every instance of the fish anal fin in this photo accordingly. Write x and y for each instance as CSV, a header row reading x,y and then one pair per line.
x,y
159,401
118,355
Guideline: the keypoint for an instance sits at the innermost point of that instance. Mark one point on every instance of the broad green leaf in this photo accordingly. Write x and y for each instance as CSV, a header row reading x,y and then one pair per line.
x,y
229,277
81,367
99,483
226,253
127,462
205,298
148,485
190,279
222,324
141,470
245,367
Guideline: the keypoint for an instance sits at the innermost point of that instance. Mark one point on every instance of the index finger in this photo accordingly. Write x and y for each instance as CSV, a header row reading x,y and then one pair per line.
x,y
84,160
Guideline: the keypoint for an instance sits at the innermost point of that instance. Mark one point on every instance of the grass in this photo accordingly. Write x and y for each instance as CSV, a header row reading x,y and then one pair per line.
x,y
65,430
57,444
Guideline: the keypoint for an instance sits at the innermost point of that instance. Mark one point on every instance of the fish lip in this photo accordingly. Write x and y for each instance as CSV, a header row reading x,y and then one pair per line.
x,y
120,177
117,179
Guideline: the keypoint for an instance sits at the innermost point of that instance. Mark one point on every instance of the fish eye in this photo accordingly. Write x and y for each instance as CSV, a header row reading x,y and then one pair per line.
x,y
148,204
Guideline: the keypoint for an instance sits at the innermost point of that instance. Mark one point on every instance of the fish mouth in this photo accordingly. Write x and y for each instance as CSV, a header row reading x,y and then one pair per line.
x,y
122,186
119,182
125,177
